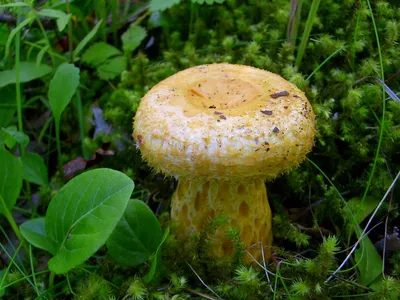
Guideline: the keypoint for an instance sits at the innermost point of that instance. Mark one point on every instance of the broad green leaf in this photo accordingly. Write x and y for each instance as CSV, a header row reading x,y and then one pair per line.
x,y
132,38
62,17
11,173
99,53
87,39
137,235
28,72
11,136
35,170
362,210
156,259
62,88
82,215
13,33
161,5
34,231
7,105
368,260
17,4
112,68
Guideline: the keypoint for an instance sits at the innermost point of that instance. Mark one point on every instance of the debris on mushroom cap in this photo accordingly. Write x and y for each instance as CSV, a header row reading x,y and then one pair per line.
x,y
180,135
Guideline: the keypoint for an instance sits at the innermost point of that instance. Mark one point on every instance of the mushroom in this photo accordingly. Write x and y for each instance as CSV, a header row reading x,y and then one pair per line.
x,y
222,130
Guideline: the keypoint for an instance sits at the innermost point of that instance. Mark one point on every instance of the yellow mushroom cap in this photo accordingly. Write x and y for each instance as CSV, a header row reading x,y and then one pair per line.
x,y
224,121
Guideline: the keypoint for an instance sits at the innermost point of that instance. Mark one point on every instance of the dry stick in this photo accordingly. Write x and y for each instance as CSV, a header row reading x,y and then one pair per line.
x,y
262,267
201,280
265,267
366,227
202,295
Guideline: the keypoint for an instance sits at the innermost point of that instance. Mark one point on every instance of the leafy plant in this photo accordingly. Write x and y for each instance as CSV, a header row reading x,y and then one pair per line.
x,y
80,218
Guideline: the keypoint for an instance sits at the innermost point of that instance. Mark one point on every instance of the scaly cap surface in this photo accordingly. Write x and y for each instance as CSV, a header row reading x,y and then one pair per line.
x,y
226,122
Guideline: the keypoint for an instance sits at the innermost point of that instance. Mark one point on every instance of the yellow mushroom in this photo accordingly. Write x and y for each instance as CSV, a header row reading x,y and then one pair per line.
x,y
221,130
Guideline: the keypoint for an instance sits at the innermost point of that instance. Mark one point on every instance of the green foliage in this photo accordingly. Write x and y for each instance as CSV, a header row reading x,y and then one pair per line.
x,y
11,174
161,5
80,218
28,71
353,139
35,170
132,38
62,87
130,243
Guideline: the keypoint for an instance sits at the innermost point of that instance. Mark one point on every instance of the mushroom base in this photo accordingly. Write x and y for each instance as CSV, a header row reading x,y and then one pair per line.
x,y
244,203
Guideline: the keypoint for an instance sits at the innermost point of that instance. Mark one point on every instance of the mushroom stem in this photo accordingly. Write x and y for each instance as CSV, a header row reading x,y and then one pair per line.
x,y
244,203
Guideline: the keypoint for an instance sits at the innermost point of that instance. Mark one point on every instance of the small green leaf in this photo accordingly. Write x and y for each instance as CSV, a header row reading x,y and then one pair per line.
x,y
28,72
362,210
11,173
161,5
87,39
98,53
112,68
137,235
368,260
11,136
62,17
82,215
62,88
132,38
35,170
34,231
13,33
156,259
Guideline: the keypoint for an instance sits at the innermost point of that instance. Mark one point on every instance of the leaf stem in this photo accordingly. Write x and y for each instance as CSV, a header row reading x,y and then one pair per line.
x,y
382,123
82,130
70,39
58,144
7,213
51,279
17,77
18,93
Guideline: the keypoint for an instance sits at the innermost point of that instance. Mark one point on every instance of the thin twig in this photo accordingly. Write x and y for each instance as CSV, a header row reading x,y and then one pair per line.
x,y
366,228
202,295
201,280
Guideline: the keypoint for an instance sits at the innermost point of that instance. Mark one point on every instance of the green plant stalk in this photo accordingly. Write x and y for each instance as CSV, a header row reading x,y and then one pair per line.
x,y
51,279
58,144
18,96
12,260
70,37
82,130
382,123
33,271
26,277
11,221
307,30
50,50
17,77
114,22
